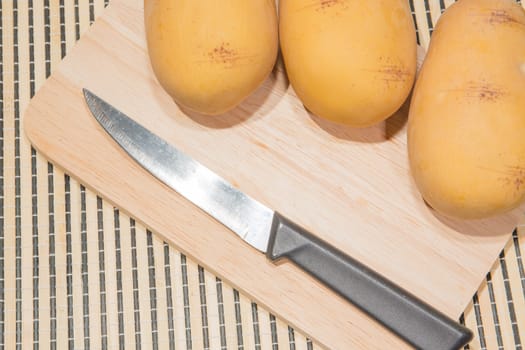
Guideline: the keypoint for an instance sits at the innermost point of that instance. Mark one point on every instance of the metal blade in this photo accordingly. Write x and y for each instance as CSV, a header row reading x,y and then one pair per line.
x,y
240,213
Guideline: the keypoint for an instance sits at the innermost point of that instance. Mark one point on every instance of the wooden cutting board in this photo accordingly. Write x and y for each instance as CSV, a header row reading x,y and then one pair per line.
x,y
351,187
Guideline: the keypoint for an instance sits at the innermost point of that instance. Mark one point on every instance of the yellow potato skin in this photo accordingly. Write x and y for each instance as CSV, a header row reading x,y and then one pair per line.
x,y
210,55
351,62
466,129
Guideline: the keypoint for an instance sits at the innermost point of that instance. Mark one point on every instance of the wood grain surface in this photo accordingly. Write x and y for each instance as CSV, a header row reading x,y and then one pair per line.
x,y
350,187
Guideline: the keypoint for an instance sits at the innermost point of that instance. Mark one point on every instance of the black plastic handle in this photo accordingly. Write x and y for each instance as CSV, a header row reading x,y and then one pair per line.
x,y
404,314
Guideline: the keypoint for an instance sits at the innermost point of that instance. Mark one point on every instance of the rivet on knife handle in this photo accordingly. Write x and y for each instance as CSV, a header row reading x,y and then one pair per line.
x,y
410,318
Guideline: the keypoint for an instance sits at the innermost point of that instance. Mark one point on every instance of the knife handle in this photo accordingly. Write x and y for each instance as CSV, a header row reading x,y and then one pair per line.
x,y
404,314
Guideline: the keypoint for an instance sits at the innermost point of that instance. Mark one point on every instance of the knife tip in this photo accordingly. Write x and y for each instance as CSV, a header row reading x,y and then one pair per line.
x,y
87,93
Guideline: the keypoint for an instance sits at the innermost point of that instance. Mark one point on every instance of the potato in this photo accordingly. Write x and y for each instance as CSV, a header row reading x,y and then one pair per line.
x,y
466,129
210,55
351,62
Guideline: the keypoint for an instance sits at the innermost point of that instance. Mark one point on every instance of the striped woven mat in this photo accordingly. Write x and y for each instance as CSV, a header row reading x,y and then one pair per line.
x,y
75,272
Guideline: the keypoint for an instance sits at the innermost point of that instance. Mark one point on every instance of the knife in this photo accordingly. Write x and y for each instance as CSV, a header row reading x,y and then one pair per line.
x,y
404,314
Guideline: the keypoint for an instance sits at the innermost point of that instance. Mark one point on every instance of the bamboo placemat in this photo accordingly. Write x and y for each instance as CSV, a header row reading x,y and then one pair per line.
x,y
76,272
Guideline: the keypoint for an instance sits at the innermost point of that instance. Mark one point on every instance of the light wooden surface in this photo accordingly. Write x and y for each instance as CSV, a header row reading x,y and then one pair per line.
x,y
350,187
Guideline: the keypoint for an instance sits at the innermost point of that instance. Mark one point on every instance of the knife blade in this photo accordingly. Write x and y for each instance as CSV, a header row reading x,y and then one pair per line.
x,y
415,321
